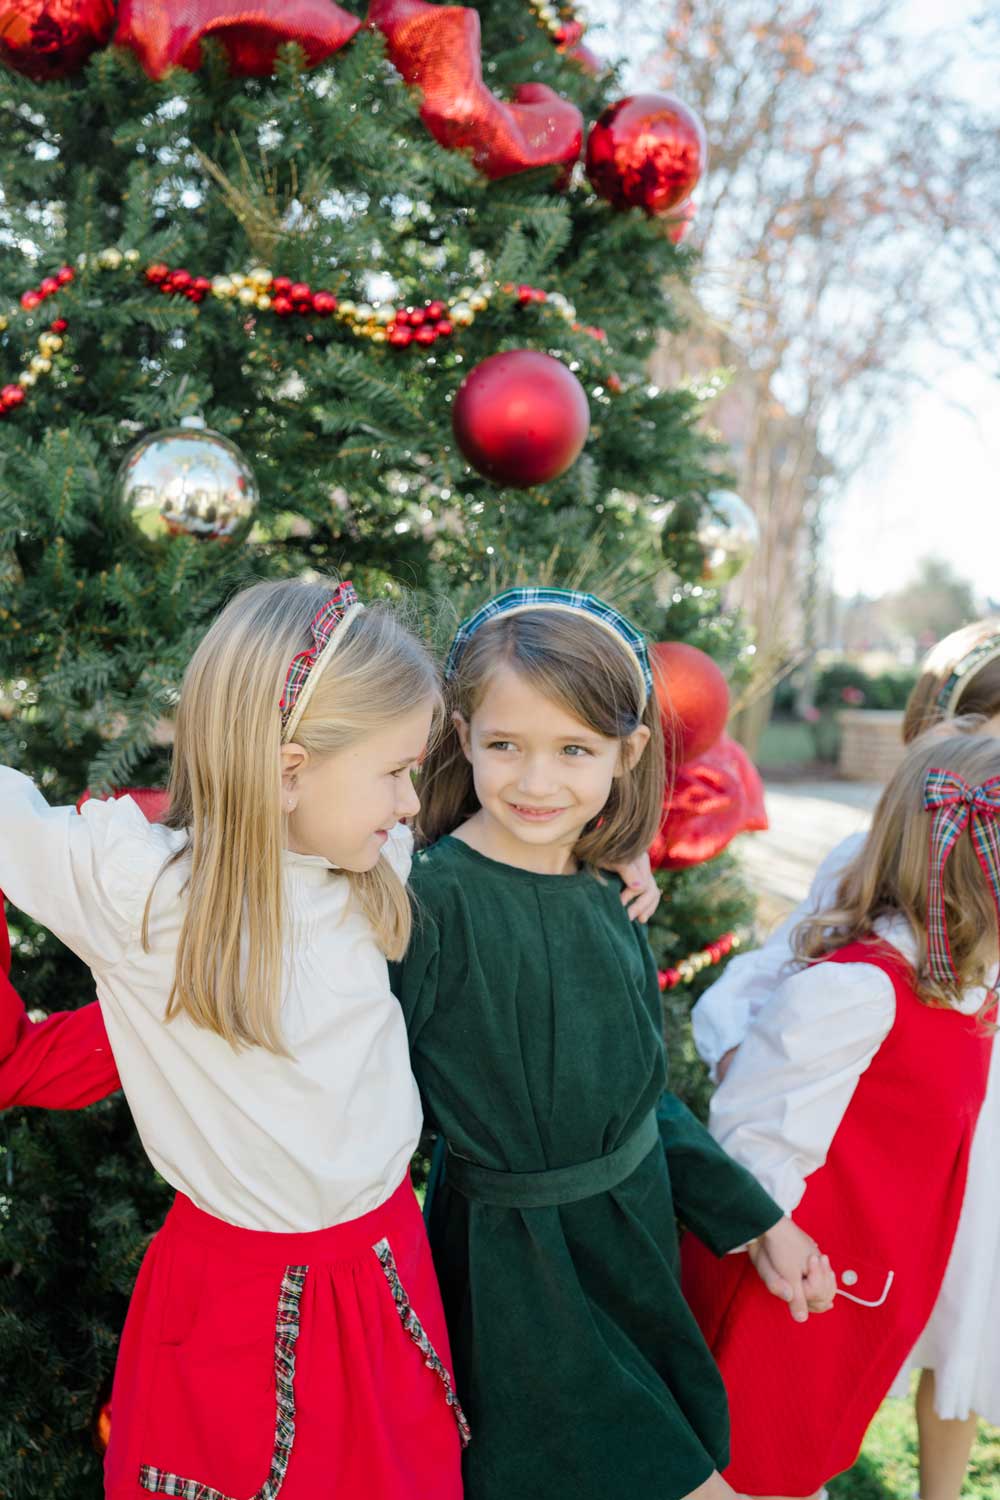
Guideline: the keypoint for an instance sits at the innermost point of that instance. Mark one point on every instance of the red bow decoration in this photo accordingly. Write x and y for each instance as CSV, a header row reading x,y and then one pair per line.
x,y
437,49
168,33
954,805
712,799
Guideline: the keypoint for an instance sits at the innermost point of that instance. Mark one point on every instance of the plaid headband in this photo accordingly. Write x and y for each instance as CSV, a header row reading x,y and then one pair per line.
x,y
304,671
954,685
954,806
518,601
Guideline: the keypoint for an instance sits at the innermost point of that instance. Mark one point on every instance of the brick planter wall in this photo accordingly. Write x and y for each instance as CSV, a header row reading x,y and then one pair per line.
x,y
871,743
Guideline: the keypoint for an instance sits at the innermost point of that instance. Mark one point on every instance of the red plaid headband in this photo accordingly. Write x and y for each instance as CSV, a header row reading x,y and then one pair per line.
x,y
302,674
954,806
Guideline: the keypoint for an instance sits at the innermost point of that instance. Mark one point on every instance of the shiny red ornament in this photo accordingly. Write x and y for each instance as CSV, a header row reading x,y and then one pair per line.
x,y
693,696
168,33
521,418
437,49
679,223
711,800
646,151
48,39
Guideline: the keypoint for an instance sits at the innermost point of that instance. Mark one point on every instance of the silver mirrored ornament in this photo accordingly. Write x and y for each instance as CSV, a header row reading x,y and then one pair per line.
x,y
188,481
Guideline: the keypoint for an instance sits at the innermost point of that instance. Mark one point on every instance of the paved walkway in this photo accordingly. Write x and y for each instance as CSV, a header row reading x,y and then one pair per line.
x,y
807,819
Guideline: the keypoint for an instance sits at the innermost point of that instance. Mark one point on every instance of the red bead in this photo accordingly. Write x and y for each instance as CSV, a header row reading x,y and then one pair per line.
x,y
65,275
300,291
180,279
324,303
282,306
445,328
417,317
60,325
157,272
11,396
202,284
525,294
661,978
435,310
673,978
521,418
281,284
426,334
30,300
49,287
613,382
402,317
596,333
304,309
400,337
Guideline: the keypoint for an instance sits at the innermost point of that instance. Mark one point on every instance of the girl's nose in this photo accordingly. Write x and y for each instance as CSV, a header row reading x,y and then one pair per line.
x,y
536,779
408,803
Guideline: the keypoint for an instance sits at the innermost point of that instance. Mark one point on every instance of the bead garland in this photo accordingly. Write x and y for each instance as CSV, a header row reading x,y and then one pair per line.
x,y
560,21
259,290
684,972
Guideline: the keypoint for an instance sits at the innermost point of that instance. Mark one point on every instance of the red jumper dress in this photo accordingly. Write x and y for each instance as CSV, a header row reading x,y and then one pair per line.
x,y
255,1365
885,1208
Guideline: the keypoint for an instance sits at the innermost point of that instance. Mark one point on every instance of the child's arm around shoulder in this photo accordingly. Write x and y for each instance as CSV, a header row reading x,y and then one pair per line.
x,y
84,875
783,1099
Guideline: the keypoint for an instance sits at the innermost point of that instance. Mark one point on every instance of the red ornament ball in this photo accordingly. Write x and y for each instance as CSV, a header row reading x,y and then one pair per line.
x,y
693,696
521,418
646,151
46,39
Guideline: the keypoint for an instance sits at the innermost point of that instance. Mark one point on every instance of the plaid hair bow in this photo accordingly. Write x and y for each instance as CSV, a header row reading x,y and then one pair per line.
x,y
322,626
956,806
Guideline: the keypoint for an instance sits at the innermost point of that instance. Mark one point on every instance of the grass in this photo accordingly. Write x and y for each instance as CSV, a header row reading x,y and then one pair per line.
x,y
785,742
887,1468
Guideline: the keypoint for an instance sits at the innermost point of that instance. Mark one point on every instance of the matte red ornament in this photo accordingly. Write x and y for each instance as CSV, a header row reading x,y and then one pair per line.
x,y
168,33
48,39
437,49
693,696
152,801
646,151
521,418
711,800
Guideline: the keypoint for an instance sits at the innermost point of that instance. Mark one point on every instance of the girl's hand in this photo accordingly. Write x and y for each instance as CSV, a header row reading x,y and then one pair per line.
x,y
641,895
790,1264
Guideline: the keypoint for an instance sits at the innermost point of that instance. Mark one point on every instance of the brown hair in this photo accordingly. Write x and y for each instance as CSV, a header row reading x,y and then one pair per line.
x,y
576,664
890,875
979,695
225,792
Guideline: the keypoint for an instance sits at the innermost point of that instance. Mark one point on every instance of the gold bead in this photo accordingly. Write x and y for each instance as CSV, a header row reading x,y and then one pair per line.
x,y
26,378
40,365
237,278
379,336
44,346
347,308
261,276
462,314
3,322
131,257
464,293
479,303
364,312
55,343
110,259
384,315
263,302
222,286
248,296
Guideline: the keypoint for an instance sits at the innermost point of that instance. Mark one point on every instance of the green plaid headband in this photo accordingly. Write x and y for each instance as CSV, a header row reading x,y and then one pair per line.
x,y
518,601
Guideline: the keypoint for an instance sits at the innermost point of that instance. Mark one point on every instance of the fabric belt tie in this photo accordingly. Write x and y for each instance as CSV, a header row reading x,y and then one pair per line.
x,y
560,1185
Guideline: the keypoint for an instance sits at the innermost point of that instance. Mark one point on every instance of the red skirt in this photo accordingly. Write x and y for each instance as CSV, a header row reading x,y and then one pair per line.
x,y
308,1366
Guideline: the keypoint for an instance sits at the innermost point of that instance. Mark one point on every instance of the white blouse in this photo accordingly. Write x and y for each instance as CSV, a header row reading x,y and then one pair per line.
x,y
276,1143
789,1085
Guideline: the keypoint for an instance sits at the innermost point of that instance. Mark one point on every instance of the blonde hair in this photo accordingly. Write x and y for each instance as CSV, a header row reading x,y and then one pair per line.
x,y
979,695
576,664
890,875
225,793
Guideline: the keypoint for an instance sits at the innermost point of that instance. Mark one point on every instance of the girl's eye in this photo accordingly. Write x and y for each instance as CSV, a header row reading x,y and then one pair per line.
x,y
499,745
575,750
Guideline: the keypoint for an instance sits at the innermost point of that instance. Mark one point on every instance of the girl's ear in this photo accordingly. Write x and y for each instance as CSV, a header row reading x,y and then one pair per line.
x,y
461,724
293,760
633,749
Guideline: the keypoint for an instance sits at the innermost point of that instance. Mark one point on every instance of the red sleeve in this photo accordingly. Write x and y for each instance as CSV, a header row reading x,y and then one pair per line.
x,y
63,1062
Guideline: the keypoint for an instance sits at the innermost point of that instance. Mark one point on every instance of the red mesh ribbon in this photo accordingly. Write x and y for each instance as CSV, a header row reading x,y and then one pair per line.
x,y
437,49
168,33
712,799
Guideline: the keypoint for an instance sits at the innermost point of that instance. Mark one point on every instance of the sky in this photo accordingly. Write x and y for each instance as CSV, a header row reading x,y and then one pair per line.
x,y
933,487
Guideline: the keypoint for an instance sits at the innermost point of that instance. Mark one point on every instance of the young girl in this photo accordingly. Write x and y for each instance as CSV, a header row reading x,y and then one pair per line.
x,y
535,1029
285,1334
854,1097
957,1352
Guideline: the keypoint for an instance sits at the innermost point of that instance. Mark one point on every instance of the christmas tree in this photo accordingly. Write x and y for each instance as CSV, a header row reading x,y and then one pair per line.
x,y
273,234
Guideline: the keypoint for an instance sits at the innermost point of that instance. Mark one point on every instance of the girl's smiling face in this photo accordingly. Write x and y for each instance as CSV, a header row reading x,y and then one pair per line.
x,y
540,773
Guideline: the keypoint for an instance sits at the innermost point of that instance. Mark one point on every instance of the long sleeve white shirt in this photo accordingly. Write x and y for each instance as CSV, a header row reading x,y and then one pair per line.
x,y
265,1142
